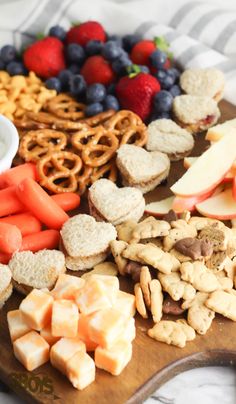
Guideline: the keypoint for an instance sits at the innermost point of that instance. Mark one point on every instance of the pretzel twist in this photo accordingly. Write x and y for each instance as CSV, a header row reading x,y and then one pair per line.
x,y
58,171
109,171
64,106
36,144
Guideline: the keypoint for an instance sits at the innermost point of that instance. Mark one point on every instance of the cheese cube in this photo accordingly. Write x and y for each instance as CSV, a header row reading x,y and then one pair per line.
x,y
129,332
111,284
92,297
46,333
66,286
17,324
115,359
63,350
83,325
31,350
80,370
106,326
65,317
36,309
125,303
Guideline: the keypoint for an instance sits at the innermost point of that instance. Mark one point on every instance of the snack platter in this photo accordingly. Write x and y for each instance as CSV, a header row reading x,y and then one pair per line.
x,y
117,218
159,362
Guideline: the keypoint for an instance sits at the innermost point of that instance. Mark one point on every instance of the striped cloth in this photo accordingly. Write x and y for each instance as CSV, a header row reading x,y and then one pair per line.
x,y
201,33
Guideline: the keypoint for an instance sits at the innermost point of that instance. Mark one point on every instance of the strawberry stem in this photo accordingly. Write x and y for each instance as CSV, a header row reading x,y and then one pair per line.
x,y
162,44
133,70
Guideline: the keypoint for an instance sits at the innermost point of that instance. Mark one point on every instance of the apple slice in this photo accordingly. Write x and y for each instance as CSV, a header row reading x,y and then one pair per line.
x,y
159,208
209,169
189,161
221,206
180,203
218,131
234,189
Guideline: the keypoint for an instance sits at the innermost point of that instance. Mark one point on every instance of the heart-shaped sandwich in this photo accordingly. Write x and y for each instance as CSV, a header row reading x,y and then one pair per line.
x,y
115,205
86,242
39,270
5,284
140,168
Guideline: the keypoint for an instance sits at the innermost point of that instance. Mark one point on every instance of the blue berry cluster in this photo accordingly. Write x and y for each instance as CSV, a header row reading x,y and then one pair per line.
x,y
10,61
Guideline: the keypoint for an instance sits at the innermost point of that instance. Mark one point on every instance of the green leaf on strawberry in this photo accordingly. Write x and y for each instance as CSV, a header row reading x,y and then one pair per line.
x,y
162,44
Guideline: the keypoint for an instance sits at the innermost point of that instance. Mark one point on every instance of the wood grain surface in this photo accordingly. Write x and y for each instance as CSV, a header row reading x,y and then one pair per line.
x,y
152,364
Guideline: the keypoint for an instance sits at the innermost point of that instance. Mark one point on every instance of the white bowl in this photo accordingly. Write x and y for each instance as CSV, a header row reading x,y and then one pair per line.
x,y
9,142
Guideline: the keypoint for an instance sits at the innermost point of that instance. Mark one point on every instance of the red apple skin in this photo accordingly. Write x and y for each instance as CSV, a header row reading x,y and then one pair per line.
x,y
234,188
218,217
228,199
188,203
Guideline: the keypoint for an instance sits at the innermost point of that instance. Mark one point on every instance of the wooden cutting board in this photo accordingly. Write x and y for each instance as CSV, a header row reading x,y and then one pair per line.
x,y
152,364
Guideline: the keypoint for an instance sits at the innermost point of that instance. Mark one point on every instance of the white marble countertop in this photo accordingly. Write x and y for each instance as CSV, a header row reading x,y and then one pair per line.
x,y
209,385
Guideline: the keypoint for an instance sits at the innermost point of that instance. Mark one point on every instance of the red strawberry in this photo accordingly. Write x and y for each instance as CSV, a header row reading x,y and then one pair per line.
x,y
45,57
86,32
142,50
96,69
136,93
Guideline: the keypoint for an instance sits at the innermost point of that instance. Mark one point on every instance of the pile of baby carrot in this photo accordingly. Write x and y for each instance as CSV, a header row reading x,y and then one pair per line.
x,y
30,219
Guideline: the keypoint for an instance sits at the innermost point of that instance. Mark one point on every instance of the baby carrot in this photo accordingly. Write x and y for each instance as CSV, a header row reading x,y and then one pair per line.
x,y
38,241
26,223
9,203
10,238
67,201
15,175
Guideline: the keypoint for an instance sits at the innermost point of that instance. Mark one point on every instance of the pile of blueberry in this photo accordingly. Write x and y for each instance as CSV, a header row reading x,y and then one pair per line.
x,y
11,61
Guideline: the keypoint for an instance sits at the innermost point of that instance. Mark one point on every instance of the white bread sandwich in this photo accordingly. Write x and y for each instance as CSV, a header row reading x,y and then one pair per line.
x,y
36,270
142,169
85,242
164,135
209,82
109,203
5,284
195,113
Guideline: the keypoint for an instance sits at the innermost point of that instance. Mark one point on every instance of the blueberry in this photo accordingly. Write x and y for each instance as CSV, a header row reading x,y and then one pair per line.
x,y
93,109
144,69
115,38
53,84
111,51
111,89
119,65
15,68
74,68
130,40
175,90
95,93
93,47
64,77
2,65
162,115
58,32
111,102
77,84
8,53
158,58
160,75
168,82
163,101
174,72
75,53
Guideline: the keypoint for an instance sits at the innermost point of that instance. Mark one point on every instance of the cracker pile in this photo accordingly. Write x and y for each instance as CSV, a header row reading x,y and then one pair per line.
x,y
22,94
71,151
179,265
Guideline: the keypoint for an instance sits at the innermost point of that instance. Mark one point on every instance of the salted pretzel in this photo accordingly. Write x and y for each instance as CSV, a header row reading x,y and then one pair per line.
x,y
136,135
58,171
108,170
65,107
99,119
97,145
37,143
84,178
28,124
53,122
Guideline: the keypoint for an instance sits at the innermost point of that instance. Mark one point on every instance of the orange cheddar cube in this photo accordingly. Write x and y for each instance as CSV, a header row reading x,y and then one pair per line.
x,y
66,286
17,324
36,309
115,359
92,297
65,317
83,325
31,350
63,350
80,370
46,333
106,326
111,284
125,303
